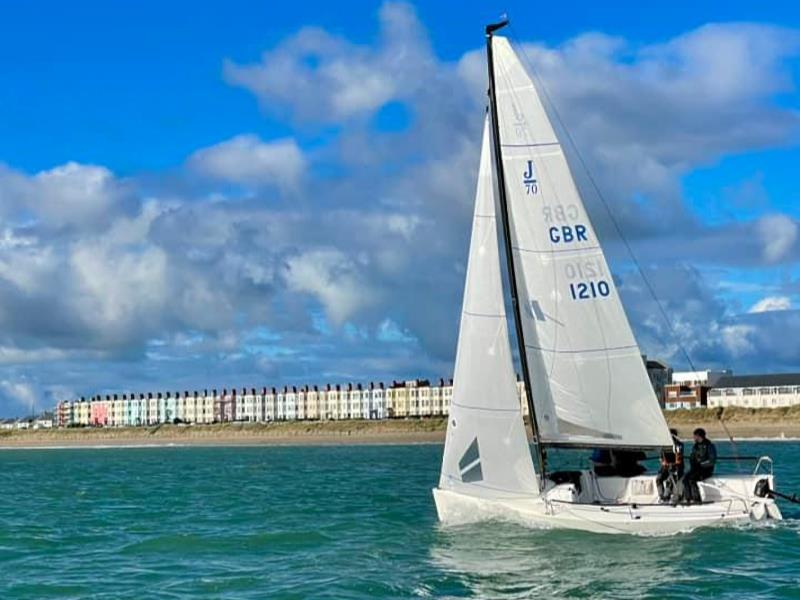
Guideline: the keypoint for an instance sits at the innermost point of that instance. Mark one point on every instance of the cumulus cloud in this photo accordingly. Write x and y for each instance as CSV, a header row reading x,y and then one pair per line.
x,y
21,393
320,77
249,160
104,285
778,235
72,194
771,303
333,278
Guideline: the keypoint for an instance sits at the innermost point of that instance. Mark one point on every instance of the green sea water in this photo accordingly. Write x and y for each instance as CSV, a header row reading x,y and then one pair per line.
x,y
337,522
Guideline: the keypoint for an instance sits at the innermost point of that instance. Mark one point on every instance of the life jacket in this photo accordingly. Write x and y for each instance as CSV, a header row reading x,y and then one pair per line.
x,y
673,457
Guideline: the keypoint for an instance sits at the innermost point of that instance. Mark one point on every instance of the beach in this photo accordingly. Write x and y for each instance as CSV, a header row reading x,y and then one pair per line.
x,y
235,434
736,422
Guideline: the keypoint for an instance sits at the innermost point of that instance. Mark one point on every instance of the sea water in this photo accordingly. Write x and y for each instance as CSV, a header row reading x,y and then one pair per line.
x,y
338,522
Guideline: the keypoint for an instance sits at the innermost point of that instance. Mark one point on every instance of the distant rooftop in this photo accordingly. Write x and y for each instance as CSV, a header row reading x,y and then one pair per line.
x,y
768,379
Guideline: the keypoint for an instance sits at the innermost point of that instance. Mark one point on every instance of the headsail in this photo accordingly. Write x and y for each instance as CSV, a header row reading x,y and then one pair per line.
x,y
486,451
589,383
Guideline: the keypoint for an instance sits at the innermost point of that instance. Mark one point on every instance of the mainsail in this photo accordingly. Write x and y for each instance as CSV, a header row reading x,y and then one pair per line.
x,y
486,451
588,380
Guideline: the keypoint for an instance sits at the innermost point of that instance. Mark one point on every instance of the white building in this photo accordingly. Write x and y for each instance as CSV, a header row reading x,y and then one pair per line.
x,y
756,391
302,404
354,402
707,377
366,402
290,399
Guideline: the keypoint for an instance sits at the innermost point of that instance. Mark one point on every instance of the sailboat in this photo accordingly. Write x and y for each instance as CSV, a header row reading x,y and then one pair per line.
x,y
584,377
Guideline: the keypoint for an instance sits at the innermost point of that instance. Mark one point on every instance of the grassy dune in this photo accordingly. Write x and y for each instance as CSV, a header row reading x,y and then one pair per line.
x,y
740,422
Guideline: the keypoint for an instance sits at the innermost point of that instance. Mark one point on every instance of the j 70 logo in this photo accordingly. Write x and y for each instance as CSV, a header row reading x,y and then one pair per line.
x,y
529,180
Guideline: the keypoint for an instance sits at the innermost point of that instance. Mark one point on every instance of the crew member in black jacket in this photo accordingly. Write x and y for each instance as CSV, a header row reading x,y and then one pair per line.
x,y
702,461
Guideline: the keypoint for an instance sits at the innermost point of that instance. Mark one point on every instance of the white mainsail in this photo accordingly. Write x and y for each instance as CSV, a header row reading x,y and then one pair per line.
x,y
590,386
486,451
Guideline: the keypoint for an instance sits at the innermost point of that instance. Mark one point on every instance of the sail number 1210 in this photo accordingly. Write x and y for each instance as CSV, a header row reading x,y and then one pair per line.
x,y
587,290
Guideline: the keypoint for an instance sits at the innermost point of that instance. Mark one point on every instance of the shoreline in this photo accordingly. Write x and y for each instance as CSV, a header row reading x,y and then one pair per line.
x,y
328,433
743,426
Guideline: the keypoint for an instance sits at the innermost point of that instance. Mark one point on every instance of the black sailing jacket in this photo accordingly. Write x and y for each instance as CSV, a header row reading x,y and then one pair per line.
x,y
703,456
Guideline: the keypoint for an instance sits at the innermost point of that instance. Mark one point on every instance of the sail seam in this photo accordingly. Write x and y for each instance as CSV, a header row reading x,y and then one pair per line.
x,y
534,145
483,409
517,248
485,315
582,350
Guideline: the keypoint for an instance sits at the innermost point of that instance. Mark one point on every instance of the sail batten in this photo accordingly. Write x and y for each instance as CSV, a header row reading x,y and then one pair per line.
x,y
588,380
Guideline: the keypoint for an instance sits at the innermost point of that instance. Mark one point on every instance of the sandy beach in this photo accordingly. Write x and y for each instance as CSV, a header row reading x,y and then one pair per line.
x,y
233,434
739,423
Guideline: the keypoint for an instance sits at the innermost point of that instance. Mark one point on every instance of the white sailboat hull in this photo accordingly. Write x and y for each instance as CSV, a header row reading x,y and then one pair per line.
x,y
727,500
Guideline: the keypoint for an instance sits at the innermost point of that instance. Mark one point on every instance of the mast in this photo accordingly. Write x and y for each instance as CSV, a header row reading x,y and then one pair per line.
x,y
512,276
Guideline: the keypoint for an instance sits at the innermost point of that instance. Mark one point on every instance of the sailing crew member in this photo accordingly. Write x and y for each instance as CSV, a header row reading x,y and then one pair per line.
x,y
671,468
602,462
626,462
702,461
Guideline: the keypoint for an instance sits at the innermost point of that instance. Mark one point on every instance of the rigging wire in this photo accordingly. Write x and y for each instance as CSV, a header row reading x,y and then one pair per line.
x,y
609,212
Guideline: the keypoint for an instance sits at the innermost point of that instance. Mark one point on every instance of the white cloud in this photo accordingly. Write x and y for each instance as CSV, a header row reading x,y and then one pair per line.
x,y
19,392
320,77
334,279
71,194
737,339
778,235
248,159
771,303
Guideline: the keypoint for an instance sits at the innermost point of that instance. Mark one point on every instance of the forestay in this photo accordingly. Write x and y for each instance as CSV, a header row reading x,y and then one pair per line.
x,y
486,451
590,386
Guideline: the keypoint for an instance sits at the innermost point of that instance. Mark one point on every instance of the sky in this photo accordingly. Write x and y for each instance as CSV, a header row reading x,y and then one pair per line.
x,y
248,194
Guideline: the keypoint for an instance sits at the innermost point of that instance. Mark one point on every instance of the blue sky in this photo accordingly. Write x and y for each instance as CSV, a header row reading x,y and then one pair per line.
x,y
176,181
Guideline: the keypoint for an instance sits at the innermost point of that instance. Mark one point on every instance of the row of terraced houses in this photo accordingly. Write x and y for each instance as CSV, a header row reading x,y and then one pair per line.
x,y
401,399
